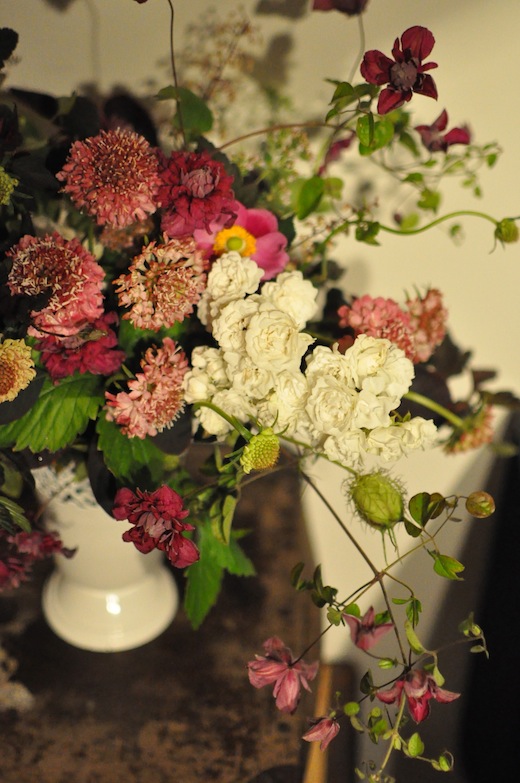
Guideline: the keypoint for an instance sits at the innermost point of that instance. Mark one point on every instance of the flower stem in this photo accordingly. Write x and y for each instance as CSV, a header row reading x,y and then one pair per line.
x,y
174,69
235,423
436,407
437,221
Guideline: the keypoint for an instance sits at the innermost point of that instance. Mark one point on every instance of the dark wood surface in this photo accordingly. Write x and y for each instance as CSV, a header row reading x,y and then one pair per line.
x,y
179,708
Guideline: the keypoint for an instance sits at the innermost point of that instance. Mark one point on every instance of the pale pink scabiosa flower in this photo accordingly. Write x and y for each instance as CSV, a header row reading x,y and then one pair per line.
x,y
477,430
322,730
91,350
195,191
157,518
365,634
418,688
16,369
279,667
63,271
428,318
113,177
254,234
155,397
378,317
163,284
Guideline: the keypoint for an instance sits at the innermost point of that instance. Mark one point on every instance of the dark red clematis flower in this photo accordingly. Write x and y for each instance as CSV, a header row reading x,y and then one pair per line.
x,y
419,688
157,518
433,138
405,74
349,7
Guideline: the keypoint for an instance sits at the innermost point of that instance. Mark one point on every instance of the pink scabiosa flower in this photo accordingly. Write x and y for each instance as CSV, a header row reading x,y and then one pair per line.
x,y
155,397
279,667
63,271
194,192
405,74
163,284
364,632
349,7
418,688
379,317
428,318
477,430
254,234
20,551
435,140
91,350
322,730
157,519
16,368
113,177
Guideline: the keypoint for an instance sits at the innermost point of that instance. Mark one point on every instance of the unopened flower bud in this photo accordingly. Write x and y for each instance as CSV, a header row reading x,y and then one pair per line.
x,y
378,500
507,231
480,505
261,452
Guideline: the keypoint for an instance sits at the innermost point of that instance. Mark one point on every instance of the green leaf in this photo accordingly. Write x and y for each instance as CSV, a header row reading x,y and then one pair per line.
x,y
415,745
309,196
383,133
60,414
447,566
430,200
413,639
365,129
195,114
204,579
132,460
351,708
12,514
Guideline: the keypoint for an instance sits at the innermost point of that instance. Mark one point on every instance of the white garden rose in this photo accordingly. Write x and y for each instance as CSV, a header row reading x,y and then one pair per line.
x,y
229,329
231,277
208,374
330,406
380,367
293,295
418,433
285,406
329,361
273,340
372,410
232,403
253,381
385,442
347,449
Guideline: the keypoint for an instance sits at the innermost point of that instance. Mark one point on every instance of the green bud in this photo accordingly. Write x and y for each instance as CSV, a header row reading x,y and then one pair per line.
x,y
480,505
261,452
507,231
378,500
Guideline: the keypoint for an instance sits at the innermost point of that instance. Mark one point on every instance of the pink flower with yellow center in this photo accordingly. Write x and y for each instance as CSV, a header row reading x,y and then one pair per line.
x,y
254,234
195,191
16,368
113,177
155,397
64,276
163,284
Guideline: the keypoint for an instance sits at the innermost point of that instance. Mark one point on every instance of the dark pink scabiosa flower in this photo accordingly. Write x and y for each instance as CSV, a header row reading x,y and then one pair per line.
x,y
113,177
194,192
157,519
364,632
279,667
163,284
254,234
20,551
405,74
322,730
91,350
63,271
428,318
155,397
349,7
435,140
418,687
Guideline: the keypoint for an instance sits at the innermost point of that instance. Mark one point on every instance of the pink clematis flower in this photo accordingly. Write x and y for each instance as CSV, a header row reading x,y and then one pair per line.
x,y
419,688
364,632
349,7
405,74
433,138
279,667
322,730
254,234
157,518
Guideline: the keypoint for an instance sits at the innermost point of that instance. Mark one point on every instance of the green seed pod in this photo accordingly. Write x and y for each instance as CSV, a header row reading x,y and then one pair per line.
x,y
480,505
507,231
378,500
261,452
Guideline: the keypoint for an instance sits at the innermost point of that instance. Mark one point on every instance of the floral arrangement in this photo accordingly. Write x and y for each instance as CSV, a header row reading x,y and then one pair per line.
x,y
162,289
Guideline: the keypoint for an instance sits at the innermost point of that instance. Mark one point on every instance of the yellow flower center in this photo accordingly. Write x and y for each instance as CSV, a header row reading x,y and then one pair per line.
x,y
235,238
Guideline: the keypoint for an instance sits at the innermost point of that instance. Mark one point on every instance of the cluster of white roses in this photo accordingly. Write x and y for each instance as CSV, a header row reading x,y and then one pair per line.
x,y
339,404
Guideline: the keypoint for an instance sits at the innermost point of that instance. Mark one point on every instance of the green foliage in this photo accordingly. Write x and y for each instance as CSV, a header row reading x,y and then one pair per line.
x,y
308,196
61,413
446,566
131,460
193,114
414,746
12,516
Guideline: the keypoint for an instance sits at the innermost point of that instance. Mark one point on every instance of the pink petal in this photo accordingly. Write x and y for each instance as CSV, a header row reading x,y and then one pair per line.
x,y
287,691
419,708
264,671
257,221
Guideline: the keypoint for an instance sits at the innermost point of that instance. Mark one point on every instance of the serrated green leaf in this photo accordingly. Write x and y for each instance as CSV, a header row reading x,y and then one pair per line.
x,y
133,460
12,514
413,639
60,414
204,579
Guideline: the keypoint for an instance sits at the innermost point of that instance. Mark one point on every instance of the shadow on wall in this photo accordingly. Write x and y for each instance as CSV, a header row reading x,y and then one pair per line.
x,y
471,728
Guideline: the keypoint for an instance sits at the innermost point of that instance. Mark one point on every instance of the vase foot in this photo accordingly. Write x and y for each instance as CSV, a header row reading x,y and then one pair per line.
x,y
100,620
